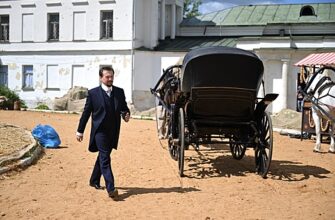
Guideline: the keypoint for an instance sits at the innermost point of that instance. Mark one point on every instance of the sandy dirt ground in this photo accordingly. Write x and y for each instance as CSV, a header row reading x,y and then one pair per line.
x,y
301,184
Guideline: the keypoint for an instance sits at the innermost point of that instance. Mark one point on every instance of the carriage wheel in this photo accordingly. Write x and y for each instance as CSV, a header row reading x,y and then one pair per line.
x,y
237,150
263,150
162,122
163,126
181,130
173,149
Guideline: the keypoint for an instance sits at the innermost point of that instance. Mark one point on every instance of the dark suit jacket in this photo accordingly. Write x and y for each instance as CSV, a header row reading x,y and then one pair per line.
x,y
95,106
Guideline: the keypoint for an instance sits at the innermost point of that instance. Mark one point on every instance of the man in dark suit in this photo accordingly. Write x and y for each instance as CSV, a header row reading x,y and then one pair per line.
x,y
106,104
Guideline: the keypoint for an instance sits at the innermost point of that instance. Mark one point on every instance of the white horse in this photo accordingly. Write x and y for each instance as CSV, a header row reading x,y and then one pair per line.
x,y
322,90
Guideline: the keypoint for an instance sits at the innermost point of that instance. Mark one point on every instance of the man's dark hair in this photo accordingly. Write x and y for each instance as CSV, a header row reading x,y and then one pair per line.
x,y
107,68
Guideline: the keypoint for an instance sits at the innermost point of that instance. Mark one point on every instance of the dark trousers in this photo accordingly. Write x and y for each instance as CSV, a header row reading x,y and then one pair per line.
x,y
103,165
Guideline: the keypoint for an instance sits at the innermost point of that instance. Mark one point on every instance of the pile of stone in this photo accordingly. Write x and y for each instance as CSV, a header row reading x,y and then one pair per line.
x,y
287,119
74,100
147,114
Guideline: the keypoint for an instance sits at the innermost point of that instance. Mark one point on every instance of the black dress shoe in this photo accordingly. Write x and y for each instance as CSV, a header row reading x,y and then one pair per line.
x,y
96,186
113,194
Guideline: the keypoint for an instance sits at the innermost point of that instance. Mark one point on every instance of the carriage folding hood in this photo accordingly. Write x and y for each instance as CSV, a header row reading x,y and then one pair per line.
x,y
239,68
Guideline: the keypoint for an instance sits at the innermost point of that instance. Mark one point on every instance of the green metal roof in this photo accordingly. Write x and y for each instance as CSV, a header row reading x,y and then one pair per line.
x,y
181,44
263,15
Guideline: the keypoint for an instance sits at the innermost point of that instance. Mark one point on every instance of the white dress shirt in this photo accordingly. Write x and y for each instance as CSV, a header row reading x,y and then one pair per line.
x,y
107,89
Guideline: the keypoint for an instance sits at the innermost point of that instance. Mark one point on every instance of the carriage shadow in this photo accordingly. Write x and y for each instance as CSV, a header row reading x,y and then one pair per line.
x,y
295,171
218,162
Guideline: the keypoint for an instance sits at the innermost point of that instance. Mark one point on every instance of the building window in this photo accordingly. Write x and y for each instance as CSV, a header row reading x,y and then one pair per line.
x,y
4,76
4,28
27,27
27,71
307,11
79,76
53,27
79,26
106,24
52,77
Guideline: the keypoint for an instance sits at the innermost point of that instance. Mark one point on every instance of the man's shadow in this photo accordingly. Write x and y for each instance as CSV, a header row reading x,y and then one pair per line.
x,y
132,191
208,165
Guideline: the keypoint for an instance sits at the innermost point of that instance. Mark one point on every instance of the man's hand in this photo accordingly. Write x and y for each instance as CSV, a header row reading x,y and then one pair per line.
x,y
127,117
79,137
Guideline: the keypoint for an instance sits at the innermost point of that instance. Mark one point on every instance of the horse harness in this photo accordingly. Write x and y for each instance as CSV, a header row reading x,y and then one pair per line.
x,y
321,86
326,86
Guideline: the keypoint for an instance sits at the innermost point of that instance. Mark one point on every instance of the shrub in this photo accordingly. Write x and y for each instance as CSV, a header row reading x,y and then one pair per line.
x,y
11,96
42,107
23,104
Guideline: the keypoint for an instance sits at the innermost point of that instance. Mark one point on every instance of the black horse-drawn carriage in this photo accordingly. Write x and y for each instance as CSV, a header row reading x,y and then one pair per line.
x,y
212,98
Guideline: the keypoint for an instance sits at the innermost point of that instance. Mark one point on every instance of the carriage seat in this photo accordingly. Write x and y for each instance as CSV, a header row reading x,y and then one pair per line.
x,y
222,104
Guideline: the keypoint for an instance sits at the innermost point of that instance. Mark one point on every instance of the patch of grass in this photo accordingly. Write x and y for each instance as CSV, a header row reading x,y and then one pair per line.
x,y
42,107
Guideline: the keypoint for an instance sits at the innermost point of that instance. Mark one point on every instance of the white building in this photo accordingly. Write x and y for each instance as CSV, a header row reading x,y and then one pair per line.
x,y
280,35
49,46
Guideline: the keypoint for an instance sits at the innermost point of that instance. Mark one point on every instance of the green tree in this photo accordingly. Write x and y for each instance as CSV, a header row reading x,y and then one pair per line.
x,y
191,8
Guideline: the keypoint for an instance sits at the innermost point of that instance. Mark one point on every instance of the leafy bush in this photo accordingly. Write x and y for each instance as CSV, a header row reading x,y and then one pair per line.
x,y
11,96
42,107
23,104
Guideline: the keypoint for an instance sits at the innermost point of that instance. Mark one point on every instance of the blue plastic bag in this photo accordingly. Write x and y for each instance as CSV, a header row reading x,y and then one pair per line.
x,y
46,136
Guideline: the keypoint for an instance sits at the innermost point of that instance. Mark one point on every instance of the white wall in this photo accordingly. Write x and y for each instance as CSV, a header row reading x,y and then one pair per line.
x,y
139,23
122,21
148,69
135,78
150,36
90,52
149,65
273,64
146,23
121,62
273,82
67,46
168,20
